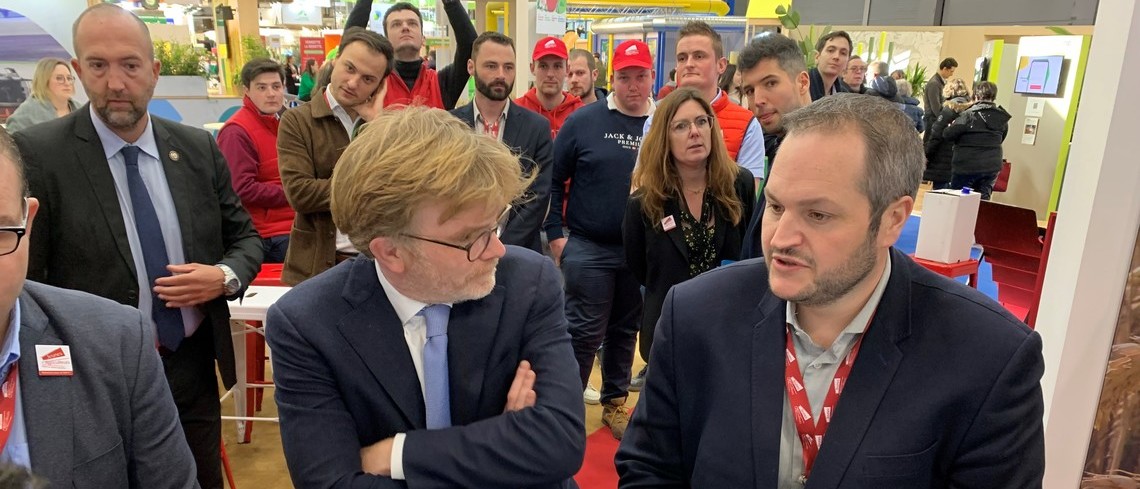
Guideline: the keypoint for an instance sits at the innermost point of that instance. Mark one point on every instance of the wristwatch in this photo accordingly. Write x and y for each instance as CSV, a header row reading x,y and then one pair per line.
x,y
230,284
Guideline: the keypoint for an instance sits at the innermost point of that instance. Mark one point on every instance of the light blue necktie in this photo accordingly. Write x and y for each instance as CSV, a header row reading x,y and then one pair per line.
x,y
437,398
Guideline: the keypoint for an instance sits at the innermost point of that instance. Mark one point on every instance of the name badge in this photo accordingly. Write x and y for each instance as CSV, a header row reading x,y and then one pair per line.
x,y
54,360
668,223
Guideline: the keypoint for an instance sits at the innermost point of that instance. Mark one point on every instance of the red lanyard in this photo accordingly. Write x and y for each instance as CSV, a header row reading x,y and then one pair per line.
x,y
8,404
811,433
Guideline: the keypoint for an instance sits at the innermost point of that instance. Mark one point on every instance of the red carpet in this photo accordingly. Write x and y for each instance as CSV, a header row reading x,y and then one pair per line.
x,y
598,468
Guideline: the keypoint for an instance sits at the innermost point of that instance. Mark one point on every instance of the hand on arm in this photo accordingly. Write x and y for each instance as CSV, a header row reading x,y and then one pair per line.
x,y
376,459
521,395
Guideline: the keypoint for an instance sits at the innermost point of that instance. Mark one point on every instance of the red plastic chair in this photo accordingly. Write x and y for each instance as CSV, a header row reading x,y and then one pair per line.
x,y
270,275
1013,247
1047,244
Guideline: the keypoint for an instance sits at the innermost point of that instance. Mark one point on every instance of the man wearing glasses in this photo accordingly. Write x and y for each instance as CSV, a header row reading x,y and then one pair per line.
x,y
438,357
83,393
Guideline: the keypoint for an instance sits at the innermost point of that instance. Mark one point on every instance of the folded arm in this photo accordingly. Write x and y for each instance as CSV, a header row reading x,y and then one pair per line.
x,y
306,193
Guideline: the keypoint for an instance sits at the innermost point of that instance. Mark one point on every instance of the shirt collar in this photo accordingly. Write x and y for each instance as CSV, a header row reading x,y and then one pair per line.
x,y
112,143
333,103
10,351
479,116
611,102
406,307
862,320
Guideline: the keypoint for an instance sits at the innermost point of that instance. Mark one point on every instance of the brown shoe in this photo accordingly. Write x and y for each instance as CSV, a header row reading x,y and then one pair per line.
x,y
616,416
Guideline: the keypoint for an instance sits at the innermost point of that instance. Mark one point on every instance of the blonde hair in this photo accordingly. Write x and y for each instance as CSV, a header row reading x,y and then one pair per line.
x,y
406,157
655,177
43,76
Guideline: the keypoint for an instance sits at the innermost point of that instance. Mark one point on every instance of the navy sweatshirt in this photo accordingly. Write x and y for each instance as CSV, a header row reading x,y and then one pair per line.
x,y
596,149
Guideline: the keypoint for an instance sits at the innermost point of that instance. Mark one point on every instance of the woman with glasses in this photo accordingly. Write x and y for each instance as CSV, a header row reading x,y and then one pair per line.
x,y
52,88
691,206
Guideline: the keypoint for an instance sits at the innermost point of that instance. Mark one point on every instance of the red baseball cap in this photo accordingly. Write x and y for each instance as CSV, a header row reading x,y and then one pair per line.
x,y
632,53
549,46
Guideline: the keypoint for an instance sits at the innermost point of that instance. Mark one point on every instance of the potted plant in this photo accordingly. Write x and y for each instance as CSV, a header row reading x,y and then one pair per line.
x,y
183,71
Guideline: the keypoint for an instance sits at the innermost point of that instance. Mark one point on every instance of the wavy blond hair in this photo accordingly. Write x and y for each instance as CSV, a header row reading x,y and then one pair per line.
x,y
42,78
655,177
406,157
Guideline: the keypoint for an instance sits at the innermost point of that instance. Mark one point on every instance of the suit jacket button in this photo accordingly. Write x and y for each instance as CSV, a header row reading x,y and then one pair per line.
x,y
132,295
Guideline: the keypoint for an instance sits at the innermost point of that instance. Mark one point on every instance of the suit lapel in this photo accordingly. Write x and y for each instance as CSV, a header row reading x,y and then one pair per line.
x,y
471,331
179,176
92,159
513,128
879,358
672,208
466,114
47,401
374,332
767,383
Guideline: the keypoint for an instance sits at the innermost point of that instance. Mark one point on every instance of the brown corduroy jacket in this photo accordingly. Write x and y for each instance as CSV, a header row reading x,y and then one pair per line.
x,y
309,143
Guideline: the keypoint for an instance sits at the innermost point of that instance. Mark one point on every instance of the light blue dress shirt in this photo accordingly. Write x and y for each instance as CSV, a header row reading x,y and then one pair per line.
x,y
751,154
16,451
150,168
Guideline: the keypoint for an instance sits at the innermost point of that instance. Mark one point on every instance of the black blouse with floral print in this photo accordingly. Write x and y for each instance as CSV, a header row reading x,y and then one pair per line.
x,y
699,236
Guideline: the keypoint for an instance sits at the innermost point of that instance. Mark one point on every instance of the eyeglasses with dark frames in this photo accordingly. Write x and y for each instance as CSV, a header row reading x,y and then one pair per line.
x,y
10,236
477,246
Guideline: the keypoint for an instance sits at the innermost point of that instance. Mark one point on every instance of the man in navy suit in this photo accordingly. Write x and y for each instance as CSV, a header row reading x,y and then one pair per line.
x,y
861,369
440,357
492,113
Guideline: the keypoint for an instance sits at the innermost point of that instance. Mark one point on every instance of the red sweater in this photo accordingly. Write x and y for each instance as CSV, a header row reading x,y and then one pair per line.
x,y
557,116
249,143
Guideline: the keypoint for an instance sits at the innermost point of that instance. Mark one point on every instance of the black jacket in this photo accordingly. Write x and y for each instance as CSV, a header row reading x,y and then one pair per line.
x,y
659,259
977,135
816,86
939,152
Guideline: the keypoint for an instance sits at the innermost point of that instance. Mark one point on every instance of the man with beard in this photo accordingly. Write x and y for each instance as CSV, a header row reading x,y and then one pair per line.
x,y
582,72
546,97
908,378
310,141
417,83
775,78
526,133
596,150
140,210
370,393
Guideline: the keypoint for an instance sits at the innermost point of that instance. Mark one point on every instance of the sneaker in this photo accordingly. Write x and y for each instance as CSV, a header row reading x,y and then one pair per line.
x,y
638,381
591,395
616,416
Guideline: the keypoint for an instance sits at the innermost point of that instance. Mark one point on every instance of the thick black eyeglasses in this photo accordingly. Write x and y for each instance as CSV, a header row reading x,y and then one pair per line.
x,y
10,235
478,245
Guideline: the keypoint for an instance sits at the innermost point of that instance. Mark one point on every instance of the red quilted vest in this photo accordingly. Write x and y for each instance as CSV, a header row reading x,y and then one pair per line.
x,y
262,129
734,121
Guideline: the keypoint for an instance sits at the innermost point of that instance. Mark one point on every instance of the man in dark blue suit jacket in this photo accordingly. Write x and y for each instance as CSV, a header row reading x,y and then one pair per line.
x,y
526,133
943,389
352,363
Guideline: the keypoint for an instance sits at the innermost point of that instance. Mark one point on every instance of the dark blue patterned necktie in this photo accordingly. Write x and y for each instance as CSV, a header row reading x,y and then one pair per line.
x,y
167,320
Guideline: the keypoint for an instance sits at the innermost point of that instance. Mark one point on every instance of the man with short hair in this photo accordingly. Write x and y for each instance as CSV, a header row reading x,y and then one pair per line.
x,y
907,378
700,62
492,113
775,77
249,143
932,94
417,83
141,210
439,357
832,53
128,431
582,71
311,139
596,150
546,97
855,75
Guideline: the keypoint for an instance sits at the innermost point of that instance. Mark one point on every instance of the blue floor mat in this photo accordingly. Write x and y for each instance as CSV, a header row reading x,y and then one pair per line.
x,y
908,241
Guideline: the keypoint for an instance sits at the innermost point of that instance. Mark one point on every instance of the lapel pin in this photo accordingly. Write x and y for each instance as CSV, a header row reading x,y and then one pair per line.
x,y
173,155
668,224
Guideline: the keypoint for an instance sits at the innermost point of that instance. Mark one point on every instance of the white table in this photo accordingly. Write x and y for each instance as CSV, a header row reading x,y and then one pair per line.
x,y
253,306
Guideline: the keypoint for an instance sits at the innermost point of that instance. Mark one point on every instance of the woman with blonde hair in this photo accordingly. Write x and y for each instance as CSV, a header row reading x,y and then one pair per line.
x,y
52,88
939,151
691,206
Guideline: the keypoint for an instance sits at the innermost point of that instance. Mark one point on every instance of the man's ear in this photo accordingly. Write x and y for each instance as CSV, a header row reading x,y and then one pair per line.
x,y
388,255
893,219
471,67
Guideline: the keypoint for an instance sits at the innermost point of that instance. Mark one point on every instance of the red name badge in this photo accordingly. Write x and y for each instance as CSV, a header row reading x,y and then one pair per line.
x,y
54,360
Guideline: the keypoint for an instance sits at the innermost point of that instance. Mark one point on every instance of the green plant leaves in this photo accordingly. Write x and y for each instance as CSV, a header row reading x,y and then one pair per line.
x,y
781,10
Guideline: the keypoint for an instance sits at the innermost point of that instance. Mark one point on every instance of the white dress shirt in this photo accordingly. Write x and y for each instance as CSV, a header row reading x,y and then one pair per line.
x,y
349,123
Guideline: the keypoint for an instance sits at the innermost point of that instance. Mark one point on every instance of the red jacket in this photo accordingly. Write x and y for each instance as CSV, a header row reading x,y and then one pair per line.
x,y
426,92
734,121
249,143
557,116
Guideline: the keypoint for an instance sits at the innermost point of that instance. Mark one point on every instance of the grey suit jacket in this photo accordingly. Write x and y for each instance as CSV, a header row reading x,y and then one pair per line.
x,y
527,134
111,424
80,241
